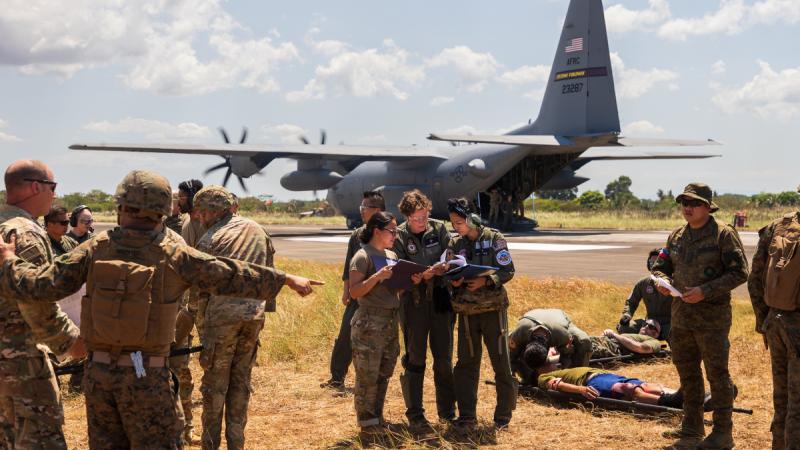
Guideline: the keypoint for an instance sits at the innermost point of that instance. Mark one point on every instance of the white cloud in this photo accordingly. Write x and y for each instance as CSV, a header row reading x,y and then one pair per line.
x,y
620,19
642,128
363,74
5,137
156,39
288,133
439,101
718,68
151,129
328,47
732,17
525,75
462,129
633,83
473,68
769,94
535,95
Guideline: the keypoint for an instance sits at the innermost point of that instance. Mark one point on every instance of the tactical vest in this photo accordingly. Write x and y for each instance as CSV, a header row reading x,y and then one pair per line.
x,y
485,299
782,287
124,308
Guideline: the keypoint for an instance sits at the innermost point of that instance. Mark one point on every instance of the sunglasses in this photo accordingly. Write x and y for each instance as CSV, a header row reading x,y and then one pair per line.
x,y
692,203
363,208
52,184
650,326
63,223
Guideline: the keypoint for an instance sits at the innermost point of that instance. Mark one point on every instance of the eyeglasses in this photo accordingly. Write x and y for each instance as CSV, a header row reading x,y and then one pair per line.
x,y
52,184
391,230
421,219
362,208
86,221
692,203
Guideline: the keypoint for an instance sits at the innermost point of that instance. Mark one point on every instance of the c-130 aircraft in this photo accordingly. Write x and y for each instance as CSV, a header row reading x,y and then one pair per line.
x,y
578,111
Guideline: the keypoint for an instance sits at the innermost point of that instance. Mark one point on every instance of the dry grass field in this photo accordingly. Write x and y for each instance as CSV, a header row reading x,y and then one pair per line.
x,y
643,220
289,410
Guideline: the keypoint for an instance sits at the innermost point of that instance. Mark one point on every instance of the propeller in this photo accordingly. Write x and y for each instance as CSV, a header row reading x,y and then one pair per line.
x,y
227,159
323,136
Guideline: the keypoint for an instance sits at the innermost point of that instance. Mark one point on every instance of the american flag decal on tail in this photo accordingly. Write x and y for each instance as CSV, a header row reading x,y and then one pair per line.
x,y
575,45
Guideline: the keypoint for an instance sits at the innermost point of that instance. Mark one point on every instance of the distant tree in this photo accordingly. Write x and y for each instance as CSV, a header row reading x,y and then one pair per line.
x,y
558,194
618,192
591,200
763,199
788,198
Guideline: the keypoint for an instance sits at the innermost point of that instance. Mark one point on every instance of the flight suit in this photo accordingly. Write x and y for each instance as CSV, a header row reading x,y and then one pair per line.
x,y
482,315
135,280
31,414
573,344
231,332
712,258
657,305
779,322
424,318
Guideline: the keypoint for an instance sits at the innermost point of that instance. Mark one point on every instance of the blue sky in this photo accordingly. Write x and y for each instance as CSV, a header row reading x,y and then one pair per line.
x,y
388,73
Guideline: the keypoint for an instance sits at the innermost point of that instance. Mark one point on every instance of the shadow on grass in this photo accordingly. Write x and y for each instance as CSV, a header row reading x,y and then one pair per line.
x,y
399,435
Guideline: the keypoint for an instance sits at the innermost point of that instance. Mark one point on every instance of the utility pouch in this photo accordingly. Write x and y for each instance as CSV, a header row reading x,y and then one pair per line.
x,y
119,303
782,287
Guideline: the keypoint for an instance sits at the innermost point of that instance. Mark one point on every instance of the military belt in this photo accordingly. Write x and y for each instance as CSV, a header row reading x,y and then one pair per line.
x,y
380,312
124,360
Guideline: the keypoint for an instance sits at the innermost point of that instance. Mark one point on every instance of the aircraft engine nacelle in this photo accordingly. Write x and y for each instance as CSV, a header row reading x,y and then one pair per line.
x,y
244,166
310,180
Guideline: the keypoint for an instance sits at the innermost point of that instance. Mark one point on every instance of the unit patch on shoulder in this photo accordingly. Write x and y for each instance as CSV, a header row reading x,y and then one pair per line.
x,y
503,257
411,248
649,289
500,244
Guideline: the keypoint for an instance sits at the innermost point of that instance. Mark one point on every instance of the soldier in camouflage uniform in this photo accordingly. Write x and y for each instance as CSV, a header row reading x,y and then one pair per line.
x,y
374,325
657,305
481,304
231,325
773,282
31,415
704,260
191,230
342,353
540,329
426,312
135,276
55,223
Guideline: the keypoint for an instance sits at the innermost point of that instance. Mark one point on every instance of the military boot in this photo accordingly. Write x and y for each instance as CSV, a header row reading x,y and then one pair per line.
x,y
688,434
718,439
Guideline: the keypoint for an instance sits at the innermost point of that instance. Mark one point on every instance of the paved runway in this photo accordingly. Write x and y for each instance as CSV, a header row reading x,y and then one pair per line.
x,y
617,256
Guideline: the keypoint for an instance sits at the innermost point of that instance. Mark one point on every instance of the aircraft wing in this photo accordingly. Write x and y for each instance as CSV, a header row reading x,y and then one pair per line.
x,y
507,139
583,160
299,151
648,142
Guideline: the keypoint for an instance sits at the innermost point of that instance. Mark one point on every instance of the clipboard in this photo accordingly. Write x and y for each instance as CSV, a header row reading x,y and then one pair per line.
x,y
401,272
469,271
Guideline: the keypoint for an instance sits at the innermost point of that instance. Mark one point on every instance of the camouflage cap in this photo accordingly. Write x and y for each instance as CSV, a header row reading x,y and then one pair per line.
x,y
146,191
214,198
698,191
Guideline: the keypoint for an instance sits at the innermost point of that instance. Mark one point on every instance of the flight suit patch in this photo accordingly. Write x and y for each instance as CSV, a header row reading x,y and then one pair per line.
x,y
503,257
411,248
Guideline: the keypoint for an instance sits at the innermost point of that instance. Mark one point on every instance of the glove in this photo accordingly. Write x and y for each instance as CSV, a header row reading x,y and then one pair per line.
x,y
625,319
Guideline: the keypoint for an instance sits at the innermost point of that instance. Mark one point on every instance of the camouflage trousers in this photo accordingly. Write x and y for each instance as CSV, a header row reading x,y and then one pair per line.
x,y
375,349
180,366
227,362
711,347
783,337
31,415
126,412
491,328
421,323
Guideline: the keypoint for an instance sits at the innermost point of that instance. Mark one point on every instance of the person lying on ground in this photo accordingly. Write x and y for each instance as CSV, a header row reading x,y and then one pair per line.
x,y
612,344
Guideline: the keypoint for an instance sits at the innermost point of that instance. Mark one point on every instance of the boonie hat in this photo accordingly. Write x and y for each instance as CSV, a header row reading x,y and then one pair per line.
x,y
698,191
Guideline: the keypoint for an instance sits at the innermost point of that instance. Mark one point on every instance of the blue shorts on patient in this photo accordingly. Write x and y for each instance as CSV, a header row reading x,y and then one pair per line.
x,y
603,382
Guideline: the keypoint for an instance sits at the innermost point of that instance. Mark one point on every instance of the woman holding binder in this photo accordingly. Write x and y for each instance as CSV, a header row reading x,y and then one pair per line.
x,y
374,333
481,303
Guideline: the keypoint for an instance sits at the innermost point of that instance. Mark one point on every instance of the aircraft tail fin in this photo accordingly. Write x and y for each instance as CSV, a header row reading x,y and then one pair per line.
x,y
579,98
